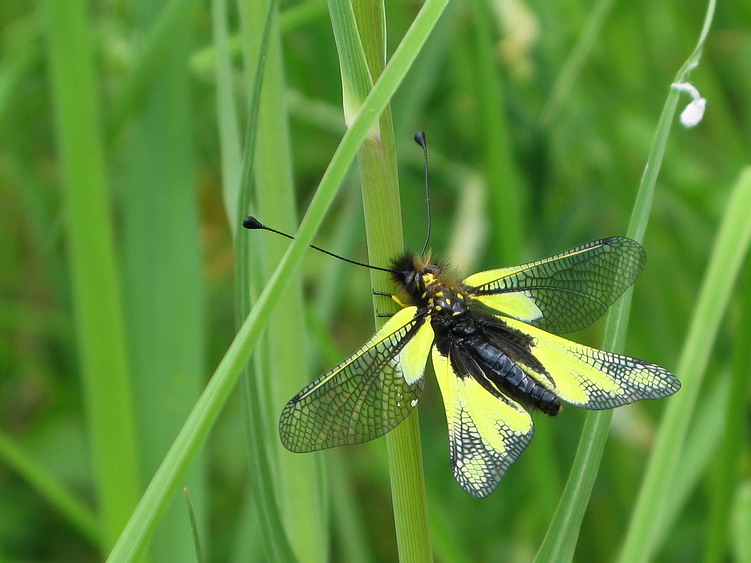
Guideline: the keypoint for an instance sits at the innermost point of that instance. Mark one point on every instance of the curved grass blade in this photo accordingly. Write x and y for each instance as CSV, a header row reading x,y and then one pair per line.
x,y
560,541
729,249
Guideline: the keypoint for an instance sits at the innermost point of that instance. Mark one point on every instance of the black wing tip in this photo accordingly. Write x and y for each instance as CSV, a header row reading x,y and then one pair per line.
x,y
666,386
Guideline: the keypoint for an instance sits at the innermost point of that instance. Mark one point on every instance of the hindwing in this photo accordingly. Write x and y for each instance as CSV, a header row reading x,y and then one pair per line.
x,y
487,430
580,375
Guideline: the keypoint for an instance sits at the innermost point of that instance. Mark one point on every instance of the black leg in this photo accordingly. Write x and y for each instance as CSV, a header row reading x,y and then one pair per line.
x,y
382,293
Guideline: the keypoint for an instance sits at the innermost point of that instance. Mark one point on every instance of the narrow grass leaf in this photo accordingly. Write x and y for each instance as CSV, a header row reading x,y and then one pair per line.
x,y
275,541
727,466
53,491
97,298
730,248
299,477
228,121
699,455
161,246
198,552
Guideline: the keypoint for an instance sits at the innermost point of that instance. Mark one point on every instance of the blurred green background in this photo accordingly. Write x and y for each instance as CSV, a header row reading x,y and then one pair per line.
x,y
117,260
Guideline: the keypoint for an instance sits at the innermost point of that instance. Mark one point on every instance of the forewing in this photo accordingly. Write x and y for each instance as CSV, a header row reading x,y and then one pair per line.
x,y
565,292
486,432
588,377
366,395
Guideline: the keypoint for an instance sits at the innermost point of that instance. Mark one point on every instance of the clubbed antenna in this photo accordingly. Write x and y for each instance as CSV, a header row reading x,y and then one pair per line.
x,y
252,223
420,140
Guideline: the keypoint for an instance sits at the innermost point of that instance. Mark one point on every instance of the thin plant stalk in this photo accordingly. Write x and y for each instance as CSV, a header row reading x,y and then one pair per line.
x,y
360,34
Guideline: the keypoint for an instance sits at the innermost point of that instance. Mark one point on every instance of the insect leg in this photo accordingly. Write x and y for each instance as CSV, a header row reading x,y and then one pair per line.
x,y
394,297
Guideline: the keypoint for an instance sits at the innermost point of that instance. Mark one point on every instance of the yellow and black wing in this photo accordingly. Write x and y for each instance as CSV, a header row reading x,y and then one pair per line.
x,y
487,429
365,396
584,376
564,292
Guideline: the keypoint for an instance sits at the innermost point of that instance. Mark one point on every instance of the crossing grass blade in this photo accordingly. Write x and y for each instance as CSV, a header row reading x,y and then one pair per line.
x,y
209,405
299,478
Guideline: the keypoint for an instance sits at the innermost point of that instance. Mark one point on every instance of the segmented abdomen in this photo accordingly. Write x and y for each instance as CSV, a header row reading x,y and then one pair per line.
x,y
510,378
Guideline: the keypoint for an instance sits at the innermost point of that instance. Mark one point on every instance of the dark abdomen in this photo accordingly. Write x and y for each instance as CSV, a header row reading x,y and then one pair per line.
x,y
510,378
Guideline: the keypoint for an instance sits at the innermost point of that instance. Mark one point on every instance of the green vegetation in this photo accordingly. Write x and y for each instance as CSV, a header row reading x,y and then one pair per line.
x,y
136,135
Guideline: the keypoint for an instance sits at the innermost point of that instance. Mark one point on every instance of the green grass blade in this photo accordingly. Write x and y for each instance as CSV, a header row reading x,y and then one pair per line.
x,y
356,76
299,477
561,538
275,541
197,550
228,125
699,454
161,246
78,514
727,466
504,181
96,285
730,248
209,405
147,68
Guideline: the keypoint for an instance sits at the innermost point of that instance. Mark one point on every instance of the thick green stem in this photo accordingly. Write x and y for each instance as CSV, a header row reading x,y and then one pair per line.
x,y
361,39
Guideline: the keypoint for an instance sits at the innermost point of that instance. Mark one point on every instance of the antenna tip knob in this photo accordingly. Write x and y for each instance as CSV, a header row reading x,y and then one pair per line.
x,y
251,222
420,138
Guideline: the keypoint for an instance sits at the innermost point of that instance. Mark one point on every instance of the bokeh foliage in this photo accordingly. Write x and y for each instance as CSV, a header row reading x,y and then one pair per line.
x,y
540,117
